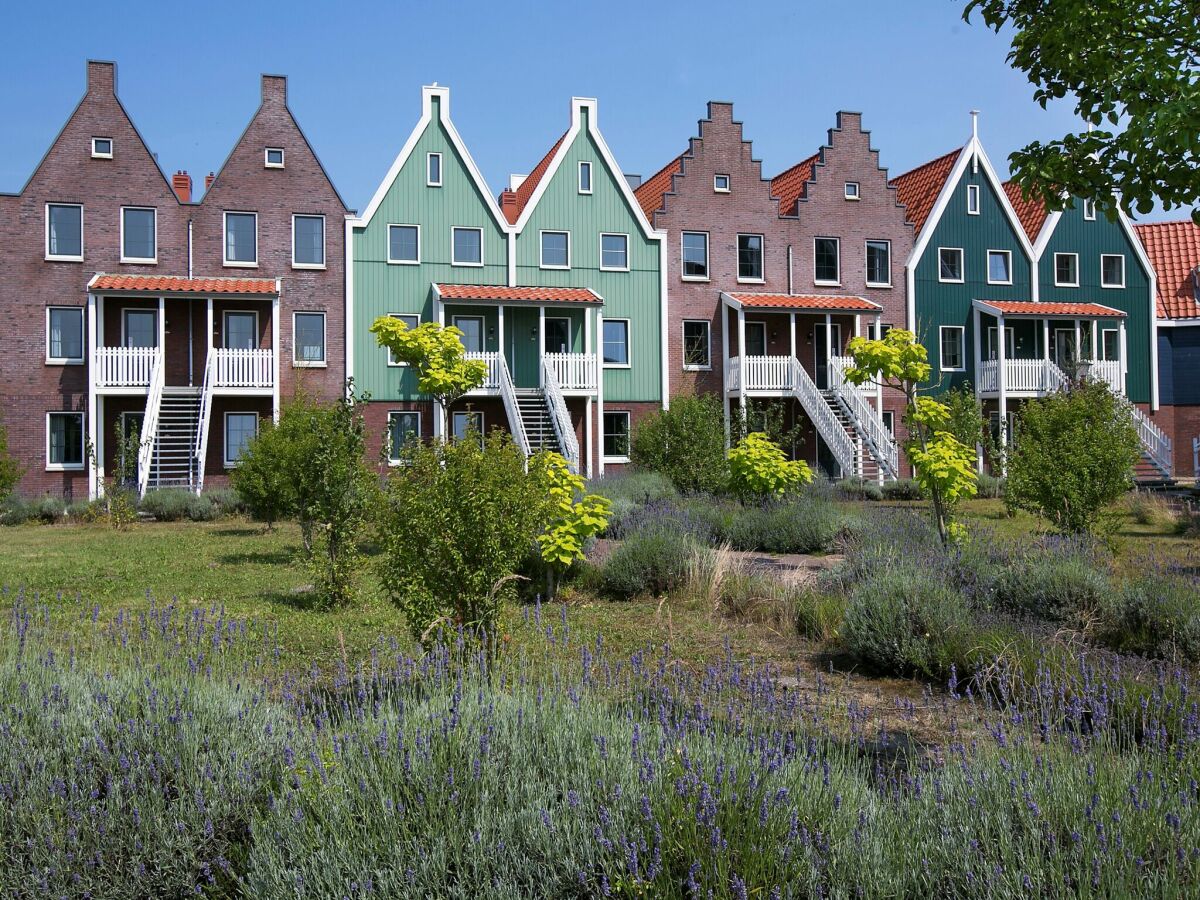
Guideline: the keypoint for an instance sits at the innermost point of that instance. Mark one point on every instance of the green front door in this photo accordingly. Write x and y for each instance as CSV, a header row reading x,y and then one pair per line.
x,y
522,339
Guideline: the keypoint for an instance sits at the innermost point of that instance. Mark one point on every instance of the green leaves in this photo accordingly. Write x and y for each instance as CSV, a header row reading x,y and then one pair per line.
x,y
898,357
437,355
575,515
758,468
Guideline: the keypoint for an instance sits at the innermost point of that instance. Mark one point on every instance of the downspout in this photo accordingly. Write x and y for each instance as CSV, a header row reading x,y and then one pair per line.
x,y
789,261
191,349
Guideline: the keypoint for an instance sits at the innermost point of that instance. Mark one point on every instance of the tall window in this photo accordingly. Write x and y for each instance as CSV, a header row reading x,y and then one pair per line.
x,y
879,263
616,435
952,358
472,332
950,264
1089,210
467,422
972,199
999,266
64,440
616,342
404,243
695,254
308,336
241,239
756,338
404,428
64,334
1112,270
614,252
140,328
64,231
138,238
585,178
308,241
556,250
750,257
467,249
240,429
1110,344
433,170
697,349
1066,269
241,330
827,268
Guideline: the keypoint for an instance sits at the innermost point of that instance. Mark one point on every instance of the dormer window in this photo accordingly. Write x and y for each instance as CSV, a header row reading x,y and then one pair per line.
x,y
433,170
102,148
721,184
851,190
274,158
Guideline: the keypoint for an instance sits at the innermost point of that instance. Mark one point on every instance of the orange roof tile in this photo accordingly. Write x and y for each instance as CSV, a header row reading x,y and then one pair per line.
x,y
792,185
169,284
529,185
1031,212
827,302
1029,308
1174,251
494,292
650,192
918,189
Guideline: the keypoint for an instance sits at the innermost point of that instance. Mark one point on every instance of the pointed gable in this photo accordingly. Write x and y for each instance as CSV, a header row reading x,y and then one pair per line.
x,y
1174,252
918,189
791,185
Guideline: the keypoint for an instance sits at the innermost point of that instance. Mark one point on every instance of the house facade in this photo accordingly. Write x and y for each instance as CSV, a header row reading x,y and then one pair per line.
x,y
558,287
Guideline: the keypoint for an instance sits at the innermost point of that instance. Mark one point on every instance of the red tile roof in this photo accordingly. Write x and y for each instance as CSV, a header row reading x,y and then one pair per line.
x,y
650,192
169,284
805,301
1174,251
792,185
494,292
1031,212
1028,308
918,189
529,185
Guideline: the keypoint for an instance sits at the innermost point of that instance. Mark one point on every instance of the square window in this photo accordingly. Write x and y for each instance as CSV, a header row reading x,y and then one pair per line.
x,y
1066,269
102,148
467,247
64,334
999,267
241,330
466,423
1112,270
556,250
138,235
64,440
972,199
851,192
585,178
695,255
952,358
404,244
721,184
64,231
879,263
697,351
240,429
274,158
433,170
139,328
826,264
308,242
308,337
412,322
750,257
616,435
614,252
241,239
404,428
950,264
616,343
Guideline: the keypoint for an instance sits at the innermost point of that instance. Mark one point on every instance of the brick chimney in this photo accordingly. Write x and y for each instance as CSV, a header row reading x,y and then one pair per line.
x,y
181,182
274,87
508,205
101,77
208,180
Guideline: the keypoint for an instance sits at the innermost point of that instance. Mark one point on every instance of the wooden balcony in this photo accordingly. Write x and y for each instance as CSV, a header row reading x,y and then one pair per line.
x,y
1039,377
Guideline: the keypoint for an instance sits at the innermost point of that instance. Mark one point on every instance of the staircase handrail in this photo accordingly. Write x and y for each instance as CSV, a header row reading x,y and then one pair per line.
x,y
508,393
149,436
822,416
201,444
867,422
559,417
1155,442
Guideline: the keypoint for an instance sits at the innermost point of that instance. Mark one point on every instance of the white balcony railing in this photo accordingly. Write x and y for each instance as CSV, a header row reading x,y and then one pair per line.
x,y
243,368
574,371
491,381
1042,376
760,373
122,367
1107,371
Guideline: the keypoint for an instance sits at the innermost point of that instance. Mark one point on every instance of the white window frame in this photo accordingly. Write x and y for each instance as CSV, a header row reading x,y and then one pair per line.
x,y
395,460
233,463
888,417
885,327
483,335
470,412
67,467
408,262
962,265
603,235
240,312
67,360
542,264
852,190
837,242
52,257
138,260
687,367
628,435
628,344
321,363
268,164
962,345
1007,253
867,267
717,183
973,200
762,257
404,317
1073,284
454,262
1103,283
324,255
100,154
225,239
126,310
429,181
707,258
1104,332
585,166
1089,210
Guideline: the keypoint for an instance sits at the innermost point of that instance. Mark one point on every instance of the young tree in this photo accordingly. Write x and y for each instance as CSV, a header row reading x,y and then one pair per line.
x,y
1073,455
966,422
758,468
1131,69
575,516
686,443
944,465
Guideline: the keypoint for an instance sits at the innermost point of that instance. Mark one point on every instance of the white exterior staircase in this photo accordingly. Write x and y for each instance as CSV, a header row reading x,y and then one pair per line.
x,y
172,460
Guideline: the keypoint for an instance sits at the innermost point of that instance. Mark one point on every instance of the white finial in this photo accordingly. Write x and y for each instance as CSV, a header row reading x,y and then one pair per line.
x,y
975,124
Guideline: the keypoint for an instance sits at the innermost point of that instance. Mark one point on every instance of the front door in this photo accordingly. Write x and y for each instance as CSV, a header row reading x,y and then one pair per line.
x,y
820,359
241,330
523,338
756,338
1064,348
139,328
993,347
558,335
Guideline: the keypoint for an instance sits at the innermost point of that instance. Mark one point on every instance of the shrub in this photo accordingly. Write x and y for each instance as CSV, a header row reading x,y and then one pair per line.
x,y
50,509
859,489
1059,582
650,561
202,509
635,486
1150,509
226,500
15,511
758,468
685,443
705,520
902,489
796,526
989,487
1157,614
168,504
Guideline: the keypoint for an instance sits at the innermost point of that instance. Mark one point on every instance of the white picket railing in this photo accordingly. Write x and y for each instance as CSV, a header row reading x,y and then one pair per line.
x,y
1155,443
242,368
149,434
199,456
823,417
508,393
867,420
1106,371
560,418
761,373
495,362
125,366
573,371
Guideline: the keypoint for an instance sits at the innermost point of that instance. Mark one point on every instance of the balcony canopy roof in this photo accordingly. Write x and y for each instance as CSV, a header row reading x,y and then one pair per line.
x,y
1027,309
801,302
493,293
159,285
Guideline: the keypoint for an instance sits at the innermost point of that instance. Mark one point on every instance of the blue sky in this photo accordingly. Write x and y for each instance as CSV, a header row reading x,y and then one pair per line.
x,y
188,74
